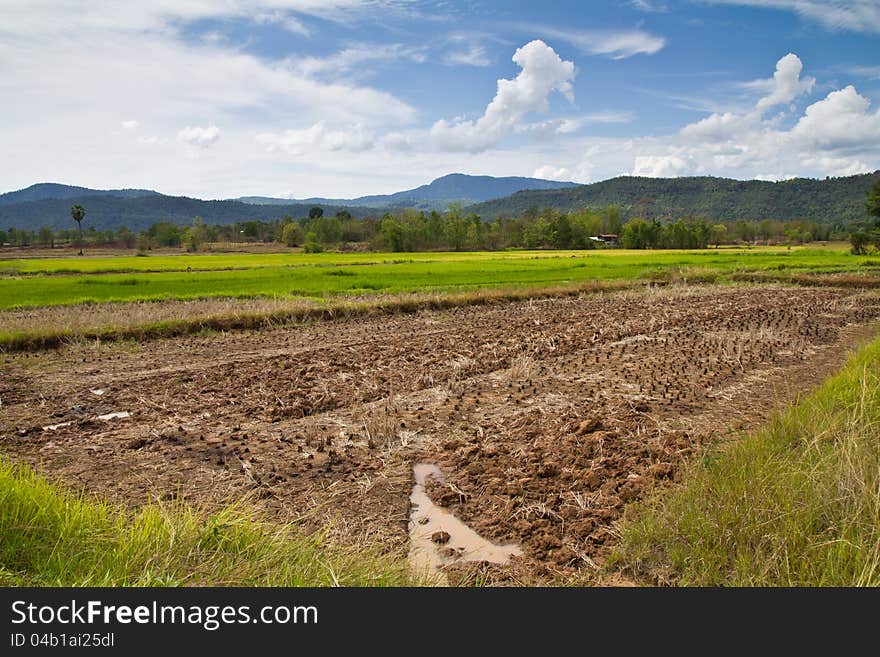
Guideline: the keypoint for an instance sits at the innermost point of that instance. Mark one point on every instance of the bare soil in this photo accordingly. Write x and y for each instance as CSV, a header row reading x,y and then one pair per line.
x,y
547,417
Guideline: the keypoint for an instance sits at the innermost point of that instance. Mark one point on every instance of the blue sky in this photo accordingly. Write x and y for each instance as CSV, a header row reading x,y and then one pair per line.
x,y
221,98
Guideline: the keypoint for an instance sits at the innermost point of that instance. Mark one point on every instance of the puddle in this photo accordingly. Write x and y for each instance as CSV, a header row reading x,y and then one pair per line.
x,y
53,427
428,520
115,416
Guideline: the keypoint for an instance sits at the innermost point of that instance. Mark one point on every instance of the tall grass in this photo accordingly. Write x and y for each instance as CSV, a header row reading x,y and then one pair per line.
x,y
52,537
794,504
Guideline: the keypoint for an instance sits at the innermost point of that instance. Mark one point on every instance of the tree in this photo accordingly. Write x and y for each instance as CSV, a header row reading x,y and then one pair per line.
x,y
640,234
194,237
859,241
392,233
719,233
861,238
78,213
47,237
316,213
873,203
291,234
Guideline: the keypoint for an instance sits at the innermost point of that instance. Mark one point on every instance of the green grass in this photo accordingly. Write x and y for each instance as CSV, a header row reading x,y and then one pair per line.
x,y
320,275
794,504
216,262
52,537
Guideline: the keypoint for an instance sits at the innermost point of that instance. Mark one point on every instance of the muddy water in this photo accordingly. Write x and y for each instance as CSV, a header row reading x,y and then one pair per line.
x,y
429,523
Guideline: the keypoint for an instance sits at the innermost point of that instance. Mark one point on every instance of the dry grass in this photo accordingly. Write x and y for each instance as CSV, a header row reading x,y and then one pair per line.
x,y
51,327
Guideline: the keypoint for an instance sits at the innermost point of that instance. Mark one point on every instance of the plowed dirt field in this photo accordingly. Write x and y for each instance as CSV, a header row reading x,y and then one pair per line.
x,y
545,417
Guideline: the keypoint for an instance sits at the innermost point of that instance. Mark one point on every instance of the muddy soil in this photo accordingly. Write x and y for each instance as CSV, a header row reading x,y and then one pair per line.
x,y
546,417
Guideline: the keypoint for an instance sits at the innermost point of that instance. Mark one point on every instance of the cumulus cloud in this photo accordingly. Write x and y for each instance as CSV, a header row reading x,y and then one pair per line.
x,y
318,137
840,120
543,72
198,136
837,135
787,83
784,87
719,126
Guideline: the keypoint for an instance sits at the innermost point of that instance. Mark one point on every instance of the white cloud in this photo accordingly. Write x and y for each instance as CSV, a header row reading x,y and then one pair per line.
x,y
130,125
650,6
661,166
57,57
473,56
784,87
288,22
853,15
837,135
198,136
719,126
841,120
318,137
543,72
870,72
353,58
571,124
550,172
617,44
787,83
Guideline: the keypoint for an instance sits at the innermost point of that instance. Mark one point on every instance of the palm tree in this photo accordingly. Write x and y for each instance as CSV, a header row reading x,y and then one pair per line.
x,y
78,213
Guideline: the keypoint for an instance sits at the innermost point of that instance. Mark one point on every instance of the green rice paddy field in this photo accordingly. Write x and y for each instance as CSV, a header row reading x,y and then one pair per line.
x,y
28,283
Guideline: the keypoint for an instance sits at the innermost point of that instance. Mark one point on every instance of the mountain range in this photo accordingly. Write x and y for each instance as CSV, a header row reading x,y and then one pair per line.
x,y
437,195
832,200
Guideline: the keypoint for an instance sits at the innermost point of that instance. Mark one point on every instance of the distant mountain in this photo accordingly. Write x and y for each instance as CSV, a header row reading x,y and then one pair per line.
x,y
437,195
139,212
43,191
833,200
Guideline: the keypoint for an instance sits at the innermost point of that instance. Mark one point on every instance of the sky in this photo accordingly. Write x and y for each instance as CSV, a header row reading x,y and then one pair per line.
x,y
343,98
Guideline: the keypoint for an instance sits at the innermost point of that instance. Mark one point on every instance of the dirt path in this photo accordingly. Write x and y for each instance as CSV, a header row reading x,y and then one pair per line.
x,y
546,417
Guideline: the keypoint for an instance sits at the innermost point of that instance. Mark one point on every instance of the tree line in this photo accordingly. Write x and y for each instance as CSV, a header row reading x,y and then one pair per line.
x,y
453,230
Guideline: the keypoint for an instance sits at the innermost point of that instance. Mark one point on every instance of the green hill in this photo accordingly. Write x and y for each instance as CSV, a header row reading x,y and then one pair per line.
x,y
833,200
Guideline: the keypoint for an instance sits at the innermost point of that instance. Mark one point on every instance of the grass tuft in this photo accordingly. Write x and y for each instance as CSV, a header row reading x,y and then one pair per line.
x,y
50,536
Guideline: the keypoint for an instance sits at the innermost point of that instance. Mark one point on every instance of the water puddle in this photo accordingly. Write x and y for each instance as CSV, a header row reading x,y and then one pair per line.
x,y
115,416
53,427
438,538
